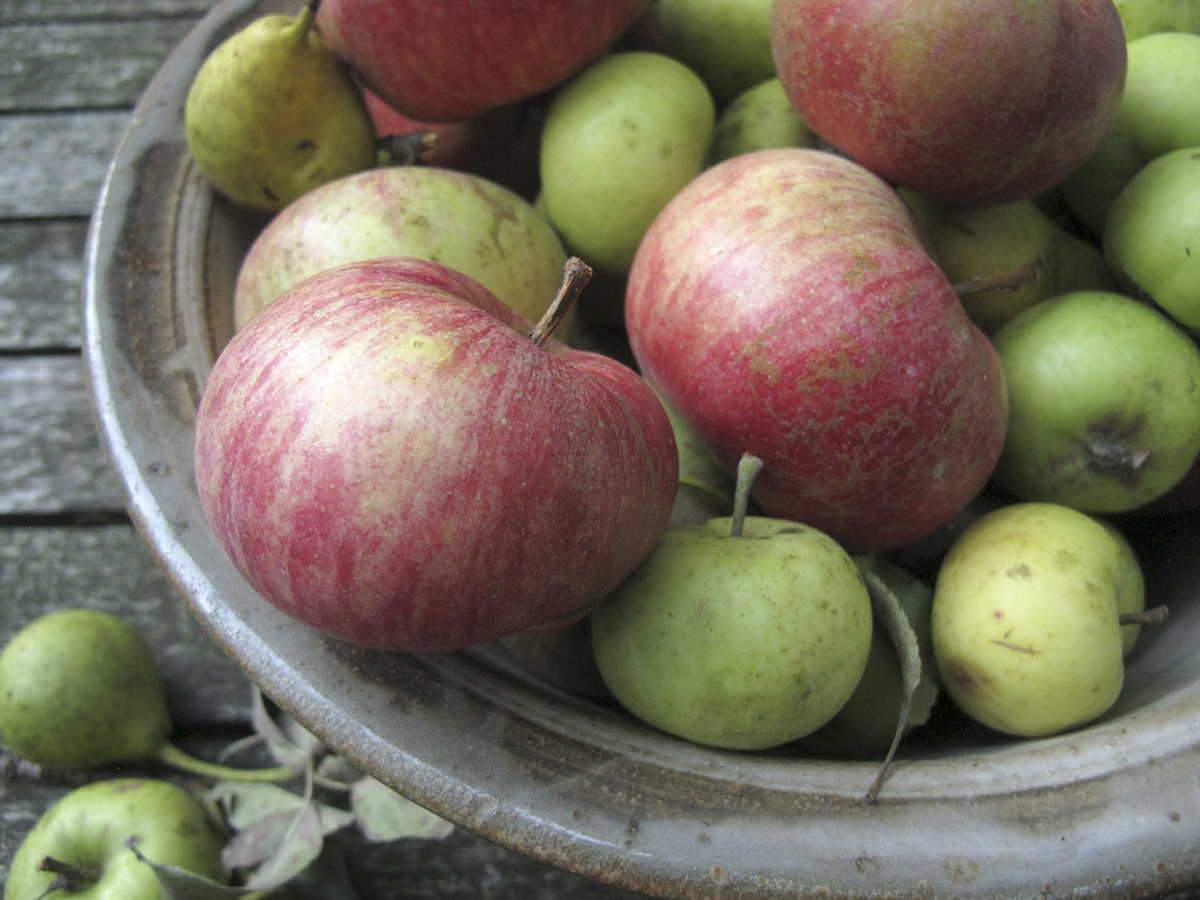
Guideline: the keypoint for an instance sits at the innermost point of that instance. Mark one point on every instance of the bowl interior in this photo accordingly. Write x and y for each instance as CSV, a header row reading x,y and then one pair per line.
x,y
1112,809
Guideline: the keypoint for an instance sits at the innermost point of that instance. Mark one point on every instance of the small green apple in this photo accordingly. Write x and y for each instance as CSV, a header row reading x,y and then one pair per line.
x,y
759,118
1104,402
89,830
1159,112
726,42
1131,587
81,688
1152,236
1142,17
986,243
742,641
1025,623
619,141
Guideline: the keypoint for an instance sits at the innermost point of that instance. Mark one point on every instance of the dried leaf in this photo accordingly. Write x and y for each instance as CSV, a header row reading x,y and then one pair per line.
x,y
384,815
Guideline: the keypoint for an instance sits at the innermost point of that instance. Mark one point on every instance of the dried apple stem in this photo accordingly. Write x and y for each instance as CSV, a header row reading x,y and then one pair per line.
x,y
576,275
1152,616
748,468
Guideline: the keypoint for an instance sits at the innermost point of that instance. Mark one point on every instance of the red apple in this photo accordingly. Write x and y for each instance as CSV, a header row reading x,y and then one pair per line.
x,y
450,60
977,102
386,455
783,304
500,145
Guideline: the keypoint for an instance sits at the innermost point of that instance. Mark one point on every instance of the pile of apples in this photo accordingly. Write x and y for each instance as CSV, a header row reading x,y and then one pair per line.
x,y
880,259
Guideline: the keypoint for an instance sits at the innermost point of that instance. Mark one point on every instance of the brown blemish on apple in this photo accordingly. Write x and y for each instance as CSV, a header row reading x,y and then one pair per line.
x,y
1020,570
966,677
1016,647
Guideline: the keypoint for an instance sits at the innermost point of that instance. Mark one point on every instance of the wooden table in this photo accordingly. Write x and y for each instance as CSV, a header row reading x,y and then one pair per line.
x,y
70,73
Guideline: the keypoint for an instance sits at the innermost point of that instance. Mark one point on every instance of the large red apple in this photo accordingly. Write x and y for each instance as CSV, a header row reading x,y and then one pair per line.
x,y
783,304
449,60
385,454
976,102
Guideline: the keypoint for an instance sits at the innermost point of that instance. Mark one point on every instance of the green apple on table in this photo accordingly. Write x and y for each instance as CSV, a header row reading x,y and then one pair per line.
x,y
1142,17
759,118
620,140
86,836
1159,112
980,247
745,632
1152,237
1104,402
1026,619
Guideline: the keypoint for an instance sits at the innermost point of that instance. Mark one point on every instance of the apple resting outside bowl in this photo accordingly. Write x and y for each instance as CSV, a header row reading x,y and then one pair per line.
x,y
1112,810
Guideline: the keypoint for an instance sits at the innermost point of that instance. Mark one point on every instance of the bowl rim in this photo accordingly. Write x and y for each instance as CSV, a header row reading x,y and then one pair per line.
x,y
473,738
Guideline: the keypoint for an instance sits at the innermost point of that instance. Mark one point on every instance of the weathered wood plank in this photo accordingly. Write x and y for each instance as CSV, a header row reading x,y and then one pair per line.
x,y
53,164
110,568
26,11
53,460
41,276
92,65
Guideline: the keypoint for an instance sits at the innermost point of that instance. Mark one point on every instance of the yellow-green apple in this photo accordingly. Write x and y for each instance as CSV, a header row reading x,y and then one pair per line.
x,y
82,843
1026,619
620,140
783,304
464,221
1005,258
386,454
1104,402
440,61
1151,233
726,42
1142,17
1159,113
742,641
760,118
977,102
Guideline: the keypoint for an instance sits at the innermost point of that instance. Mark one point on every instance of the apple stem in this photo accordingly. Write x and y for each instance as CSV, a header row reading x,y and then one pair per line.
x,y
68,877
1018,277
1152,616
305,21
576,274
176,758
406,149
748,468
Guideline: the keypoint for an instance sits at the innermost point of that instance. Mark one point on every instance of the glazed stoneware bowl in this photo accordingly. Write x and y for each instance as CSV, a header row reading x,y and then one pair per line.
x,y
1112,810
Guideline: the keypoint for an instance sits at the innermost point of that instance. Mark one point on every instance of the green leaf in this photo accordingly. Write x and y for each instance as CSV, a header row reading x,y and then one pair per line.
x,y
889,613
384,815
180,884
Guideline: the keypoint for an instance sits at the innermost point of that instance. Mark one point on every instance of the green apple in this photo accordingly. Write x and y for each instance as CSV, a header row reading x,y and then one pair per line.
x,y
1025,622
1159,112
1152,237
726,42
978,246
81,688
1142,17
742,642
759,118
705,489
1104,402
620,140
89,829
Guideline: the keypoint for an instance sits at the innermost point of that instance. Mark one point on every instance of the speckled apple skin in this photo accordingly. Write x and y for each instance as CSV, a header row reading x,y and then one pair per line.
x,y
385,455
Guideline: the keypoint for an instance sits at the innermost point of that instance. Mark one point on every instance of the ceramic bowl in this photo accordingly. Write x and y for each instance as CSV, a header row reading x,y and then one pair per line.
x,y
1111,810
